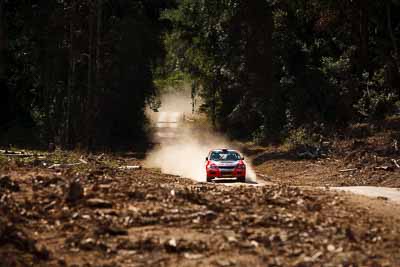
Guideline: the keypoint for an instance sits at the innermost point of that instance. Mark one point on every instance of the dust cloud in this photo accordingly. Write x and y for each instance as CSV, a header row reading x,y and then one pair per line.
x,y
183,139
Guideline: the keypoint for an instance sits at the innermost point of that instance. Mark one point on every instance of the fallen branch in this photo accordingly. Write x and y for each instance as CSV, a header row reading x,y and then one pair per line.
x,y
385,168
21,154
348,170
136,167
395,163
83,161
18,155
54,166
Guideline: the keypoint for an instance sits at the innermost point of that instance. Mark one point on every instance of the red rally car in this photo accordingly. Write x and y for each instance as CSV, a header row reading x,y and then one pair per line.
x,y
225,163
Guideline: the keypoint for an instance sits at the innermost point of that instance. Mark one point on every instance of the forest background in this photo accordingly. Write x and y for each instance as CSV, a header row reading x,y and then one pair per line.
x,y
81,73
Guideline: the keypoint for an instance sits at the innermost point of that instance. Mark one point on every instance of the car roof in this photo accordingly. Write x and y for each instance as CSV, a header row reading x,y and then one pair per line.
x,y
223,149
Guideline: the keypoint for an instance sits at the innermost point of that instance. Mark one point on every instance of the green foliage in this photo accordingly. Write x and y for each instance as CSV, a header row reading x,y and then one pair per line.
x,y
303,139
172,81
81,72
209,42
377,100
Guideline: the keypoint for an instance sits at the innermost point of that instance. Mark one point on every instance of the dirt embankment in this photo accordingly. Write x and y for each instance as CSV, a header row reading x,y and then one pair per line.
x,y
364,155
96,214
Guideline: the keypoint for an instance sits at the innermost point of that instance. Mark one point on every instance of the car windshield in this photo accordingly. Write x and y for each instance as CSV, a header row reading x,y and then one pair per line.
x,y
224,156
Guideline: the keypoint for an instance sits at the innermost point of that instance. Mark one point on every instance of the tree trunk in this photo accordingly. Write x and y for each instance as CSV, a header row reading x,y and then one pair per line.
x,y
390,29
90,72
4,93
258,17
2,42
94,111
259,21
364,34
71,79
193,95
98,39
214,108
393,58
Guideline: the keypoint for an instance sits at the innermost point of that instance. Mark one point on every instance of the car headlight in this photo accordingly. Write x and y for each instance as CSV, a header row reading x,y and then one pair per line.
x,y
241,166
212,166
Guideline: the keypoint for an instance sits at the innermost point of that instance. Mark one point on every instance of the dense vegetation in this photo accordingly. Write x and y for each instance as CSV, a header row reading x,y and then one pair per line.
x,y
266,68
81,72
77,73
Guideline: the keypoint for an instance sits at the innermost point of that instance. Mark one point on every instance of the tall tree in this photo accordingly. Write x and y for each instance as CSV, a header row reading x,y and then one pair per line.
x,y
4,95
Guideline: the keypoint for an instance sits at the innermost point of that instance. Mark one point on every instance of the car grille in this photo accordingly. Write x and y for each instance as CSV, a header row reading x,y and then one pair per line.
x,y
226,168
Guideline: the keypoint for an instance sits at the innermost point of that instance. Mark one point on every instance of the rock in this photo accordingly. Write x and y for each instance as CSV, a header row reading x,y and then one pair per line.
x,y
61,262
193,256
111,230
231,239
146,244
172,242
171,245
88,244
224,263
8,184
350,235
99,203
330,248
75,192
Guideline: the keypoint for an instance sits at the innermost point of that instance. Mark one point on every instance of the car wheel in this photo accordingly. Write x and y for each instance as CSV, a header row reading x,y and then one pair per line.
x,y
209,179
242,179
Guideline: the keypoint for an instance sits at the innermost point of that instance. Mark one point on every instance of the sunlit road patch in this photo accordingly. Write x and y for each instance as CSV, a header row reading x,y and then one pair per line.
x,y
372,191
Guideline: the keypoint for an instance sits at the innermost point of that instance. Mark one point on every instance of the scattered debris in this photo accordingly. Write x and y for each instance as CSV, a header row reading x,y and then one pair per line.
x,y
385,168
20,154
83,161
193,256
11,234
99,203
111,230
396,163
60,166
130,167
8,184
348,170
224,263
98,215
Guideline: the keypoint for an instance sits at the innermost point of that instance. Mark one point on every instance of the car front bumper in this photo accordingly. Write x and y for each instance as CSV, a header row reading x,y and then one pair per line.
x,y
226,174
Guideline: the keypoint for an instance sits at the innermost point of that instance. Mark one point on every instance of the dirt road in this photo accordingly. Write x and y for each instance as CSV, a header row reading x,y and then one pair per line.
x,y
392,194
96,214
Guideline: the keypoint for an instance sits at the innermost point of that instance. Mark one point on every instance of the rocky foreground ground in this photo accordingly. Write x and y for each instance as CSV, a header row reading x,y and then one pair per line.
x,y
97,214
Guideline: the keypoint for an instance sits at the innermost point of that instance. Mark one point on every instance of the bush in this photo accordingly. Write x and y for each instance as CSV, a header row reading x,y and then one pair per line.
x,y
302,139
376,101
307,143
258,135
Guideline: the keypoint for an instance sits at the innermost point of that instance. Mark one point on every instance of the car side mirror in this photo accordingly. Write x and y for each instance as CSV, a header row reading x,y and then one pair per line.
x,y
206,158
